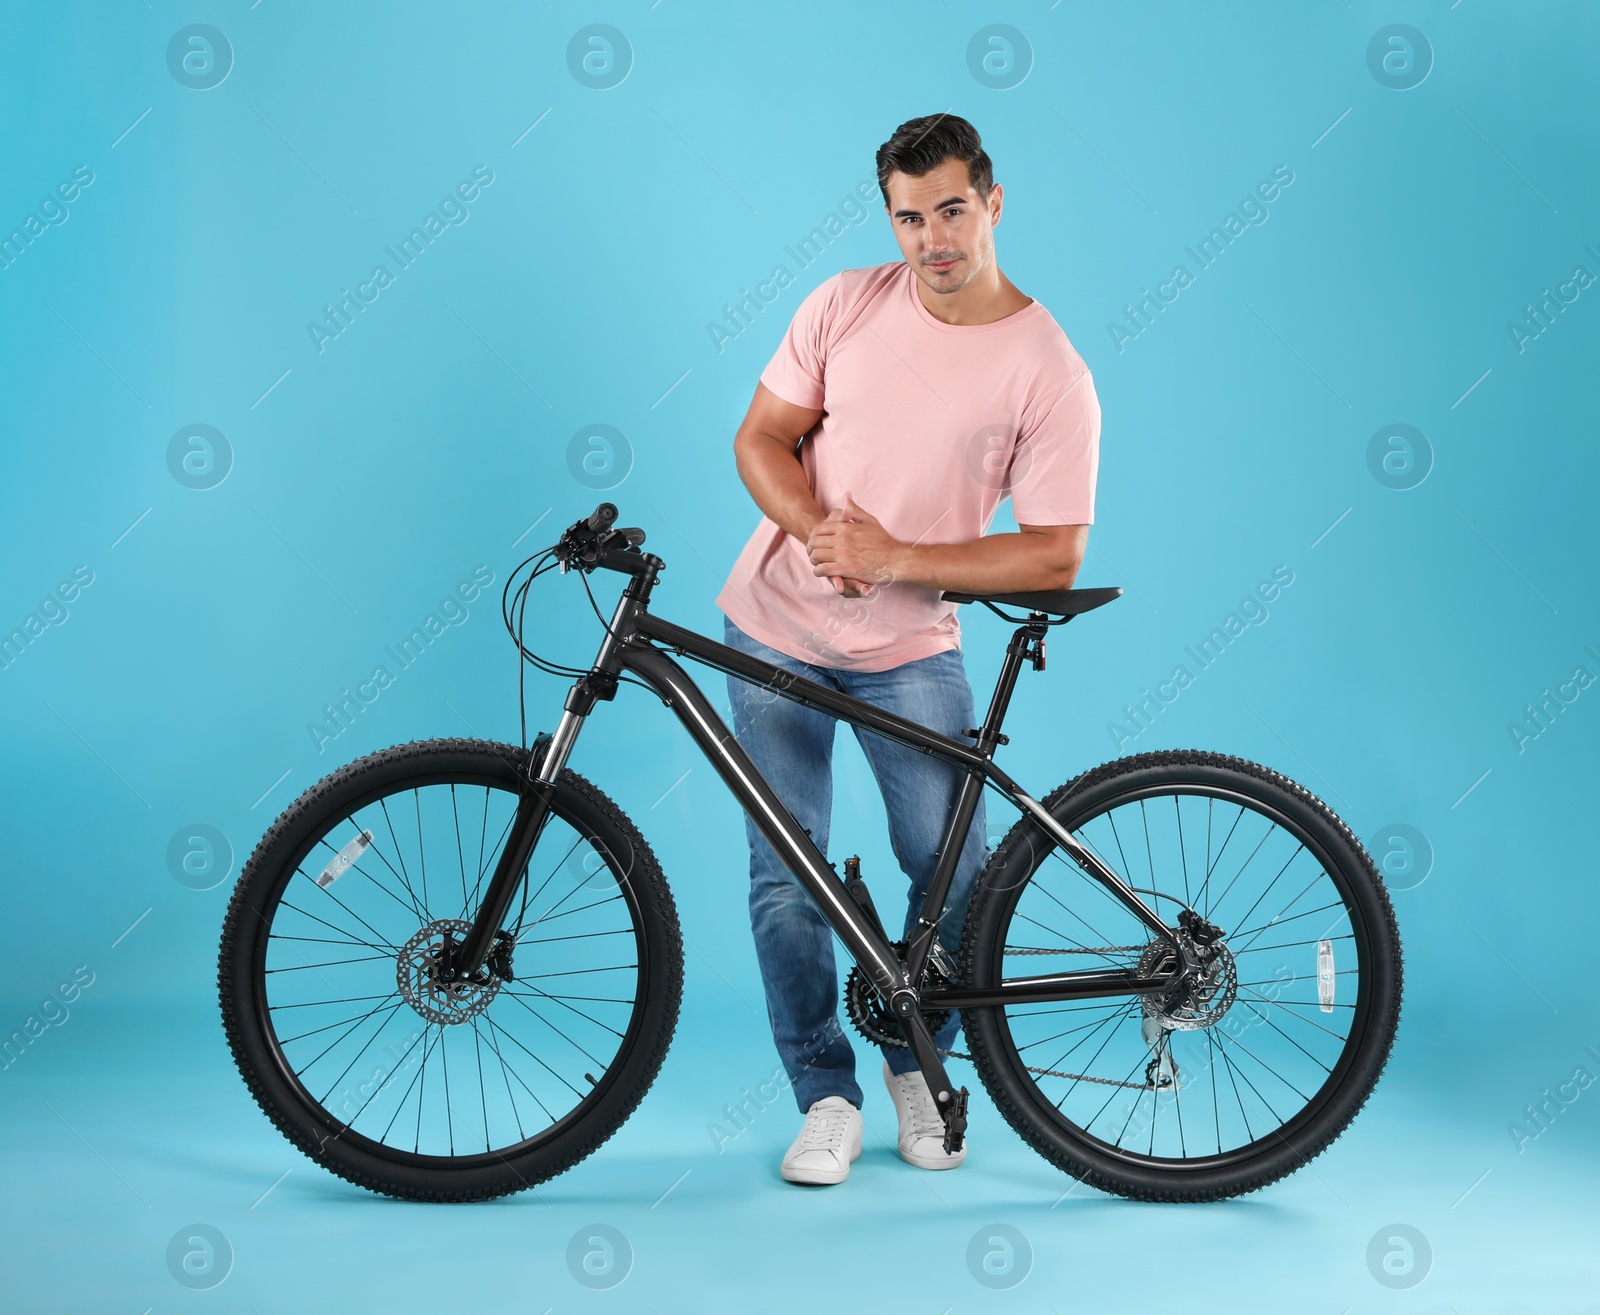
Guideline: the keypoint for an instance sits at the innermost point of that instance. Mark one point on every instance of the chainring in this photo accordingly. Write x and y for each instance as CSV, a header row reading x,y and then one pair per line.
x,y
870,1015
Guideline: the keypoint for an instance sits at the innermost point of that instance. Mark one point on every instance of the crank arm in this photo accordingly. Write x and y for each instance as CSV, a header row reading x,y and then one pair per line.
x,y
952,1102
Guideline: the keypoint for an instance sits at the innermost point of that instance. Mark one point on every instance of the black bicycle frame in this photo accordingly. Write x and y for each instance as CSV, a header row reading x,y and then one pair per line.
x,y
631,644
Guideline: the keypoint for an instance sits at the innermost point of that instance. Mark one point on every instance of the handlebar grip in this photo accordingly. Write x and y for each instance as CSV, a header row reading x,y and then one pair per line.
x,y
604,517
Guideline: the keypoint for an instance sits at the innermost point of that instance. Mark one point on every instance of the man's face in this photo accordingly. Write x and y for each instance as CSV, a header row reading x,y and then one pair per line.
x,y
944,228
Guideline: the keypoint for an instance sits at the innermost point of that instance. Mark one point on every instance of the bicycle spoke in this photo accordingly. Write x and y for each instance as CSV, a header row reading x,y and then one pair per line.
x,y
555,999
1182,854
422,859
1310,1022
334,963
578,936
1216,1109
399,853
1044,1041
1281,921
323,1100
1246,1049
444,1053
609,899
1095,1117
1211,864
421,1039
422,1074
483,1098
557,1030
495,1027
337,1000
461,858
411,896
576,972
1324,1067
355,866
328,891
535,1058
360,1018
1112,1020
1145,818
328,940
1293,945
511,1096
533,898
1299,849
1053,932
1218,903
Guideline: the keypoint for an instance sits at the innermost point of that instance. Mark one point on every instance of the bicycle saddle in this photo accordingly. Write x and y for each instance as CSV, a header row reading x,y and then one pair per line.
x,y
1057,602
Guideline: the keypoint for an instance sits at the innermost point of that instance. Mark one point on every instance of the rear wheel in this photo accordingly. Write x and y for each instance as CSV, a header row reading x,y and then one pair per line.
x,y
1247,1073
429,1090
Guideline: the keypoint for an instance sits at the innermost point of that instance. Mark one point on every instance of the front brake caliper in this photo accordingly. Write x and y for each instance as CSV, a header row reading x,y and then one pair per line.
x,y
499,960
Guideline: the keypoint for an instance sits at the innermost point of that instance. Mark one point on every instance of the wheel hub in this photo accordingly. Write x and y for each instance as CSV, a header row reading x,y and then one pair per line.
x,y
425,980
1201,998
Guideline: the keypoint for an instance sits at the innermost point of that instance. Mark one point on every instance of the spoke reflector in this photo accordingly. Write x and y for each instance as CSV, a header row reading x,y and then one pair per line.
x,y
1325,975
343,859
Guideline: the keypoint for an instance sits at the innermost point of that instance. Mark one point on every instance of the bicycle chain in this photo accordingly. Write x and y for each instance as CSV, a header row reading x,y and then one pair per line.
x,y
1056,1073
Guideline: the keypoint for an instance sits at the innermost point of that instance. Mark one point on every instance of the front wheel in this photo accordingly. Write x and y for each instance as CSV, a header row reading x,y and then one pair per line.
x,y
436,1090
1247,1073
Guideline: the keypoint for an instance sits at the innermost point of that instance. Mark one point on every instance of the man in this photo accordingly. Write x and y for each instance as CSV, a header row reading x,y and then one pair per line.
x,y
904,403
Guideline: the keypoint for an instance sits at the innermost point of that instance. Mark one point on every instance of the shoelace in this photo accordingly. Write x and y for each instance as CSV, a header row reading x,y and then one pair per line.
x,y
824,1130
925,1119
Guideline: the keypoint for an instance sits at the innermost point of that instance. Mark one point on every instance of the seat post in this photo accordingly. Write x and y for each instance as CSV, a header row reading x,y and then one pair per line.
x,y
1022,641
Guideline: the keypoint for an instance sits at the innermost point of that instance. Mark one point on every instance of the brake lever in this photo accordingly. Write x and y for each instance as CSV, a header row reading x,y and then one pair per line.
x,y
588,553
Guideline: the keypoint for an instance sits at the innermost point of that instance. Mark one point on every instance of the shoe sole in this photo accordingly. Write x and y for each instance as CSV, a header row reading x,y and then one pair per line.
x,y
819,1178
943,1162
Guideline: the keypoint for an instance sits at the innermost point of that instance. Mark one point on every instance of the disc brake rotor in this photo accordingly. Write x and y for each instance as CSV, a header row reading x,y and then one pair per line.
x,y
1198,1005
417,974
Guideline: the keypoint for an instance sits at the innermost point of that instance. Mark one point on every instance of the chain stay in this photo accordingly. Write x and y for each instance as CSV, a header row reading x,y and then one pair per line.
x,y
1056,1073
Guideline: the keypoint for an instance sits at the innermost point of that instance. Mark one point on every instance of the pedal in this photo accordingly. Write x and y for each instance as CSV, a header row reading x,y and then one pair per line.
x,y
955,1122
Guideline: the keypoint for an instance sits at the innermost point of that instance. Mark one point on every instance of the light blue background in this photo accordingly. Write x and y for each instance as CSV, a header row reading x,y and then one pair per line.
x,y
369,478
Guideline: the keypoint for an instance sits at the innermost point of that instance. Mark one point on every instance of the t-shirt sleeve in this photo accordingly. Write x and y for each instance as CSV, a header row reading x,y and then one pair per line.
x,y
797,368
1057,456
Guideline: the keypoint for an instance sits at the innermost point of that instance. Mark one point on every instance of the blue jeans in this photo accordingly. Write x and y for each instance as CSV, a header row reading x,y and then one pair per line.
x,y
792,746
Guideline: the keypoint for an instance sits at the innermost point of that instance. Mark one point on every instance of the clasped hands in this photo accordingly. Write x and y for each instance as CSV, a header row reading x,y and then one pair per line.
x,y
851,547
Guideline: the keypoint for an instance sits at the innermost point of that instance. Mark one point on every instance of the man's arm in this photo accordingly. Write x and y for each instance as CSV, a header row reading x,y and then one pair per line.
x,y
765,451
852,543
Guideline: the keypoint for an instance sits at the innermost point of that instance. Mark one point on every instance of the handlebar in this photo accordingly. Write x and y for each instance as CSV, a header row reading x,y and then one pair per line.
x,y
592,542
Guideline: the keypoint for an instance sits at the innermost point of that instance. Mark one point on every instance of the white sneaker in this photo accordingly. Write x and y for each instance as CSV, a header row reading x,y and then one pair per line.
x,y
921,1128
829,1141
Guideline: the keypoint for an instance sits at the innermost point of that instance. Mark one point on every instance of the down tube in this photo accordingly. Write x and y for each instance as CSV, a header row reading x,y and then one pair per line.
x,y
786,836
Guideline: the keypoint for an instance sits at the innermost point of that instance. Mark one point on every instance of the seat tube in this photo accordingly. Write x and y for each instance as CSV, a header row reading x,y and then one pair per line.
x,y
955,841
966,805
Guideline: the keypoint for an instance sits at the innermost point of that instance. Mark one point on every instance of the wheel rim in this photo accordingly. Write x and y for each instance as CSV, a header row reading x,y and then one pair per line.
x,y
1265,1067
497,1071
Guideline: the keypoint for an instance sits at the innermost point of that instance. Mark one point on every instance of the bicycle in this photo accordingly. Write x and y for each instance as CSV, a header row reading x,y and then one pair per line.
x,y
355,965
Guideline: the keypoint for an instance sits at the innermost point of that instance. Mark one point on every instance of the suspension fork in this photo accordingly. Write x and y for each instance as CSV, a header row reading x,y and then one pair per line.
x,y
538,792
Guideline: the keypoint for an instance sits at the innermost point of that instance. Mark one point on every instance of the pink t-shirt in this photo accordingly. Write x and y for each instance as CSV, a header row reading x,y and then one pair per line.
x,y
928,426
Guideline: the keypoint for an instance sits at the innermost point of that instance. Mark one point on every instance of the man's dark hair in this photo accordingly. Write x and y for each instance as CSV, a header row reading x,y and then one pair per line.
x,y
919,146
